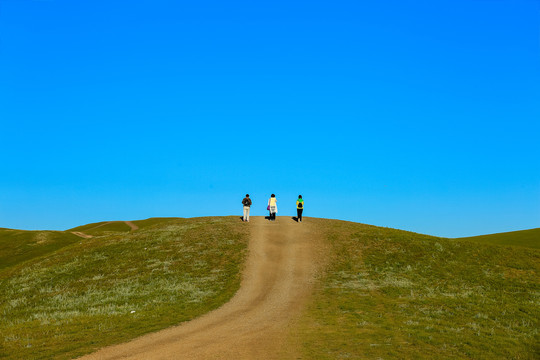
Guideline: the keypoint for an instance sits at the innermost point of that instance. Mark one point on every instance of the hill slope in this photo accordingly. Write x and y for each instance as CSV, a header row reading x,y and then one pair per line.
x,y
526,238
384,293
277,281
17,246
395,294
111,288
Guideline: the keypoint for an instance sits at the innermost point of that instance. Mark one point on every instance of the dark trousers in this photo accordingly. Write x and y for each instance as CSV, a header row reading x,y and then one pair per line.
x,y
299,212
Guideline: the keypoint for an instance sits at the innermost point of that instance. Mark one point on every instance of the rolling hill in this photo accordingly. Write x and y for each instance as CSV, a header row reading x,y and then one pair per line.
x,y
77,294
525,238
17,246
383,293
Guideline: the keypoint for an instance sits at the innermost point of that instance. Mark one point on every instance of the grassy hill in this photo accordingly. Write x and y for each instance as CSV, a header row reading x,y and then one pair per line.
x,y
391,294
526,238
103,228
78,295
385,294
17,246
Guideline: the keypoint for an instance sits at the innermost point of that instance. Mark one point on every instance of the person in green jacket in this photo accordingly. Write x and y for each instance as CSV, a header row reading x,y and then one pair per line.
x,y
299,207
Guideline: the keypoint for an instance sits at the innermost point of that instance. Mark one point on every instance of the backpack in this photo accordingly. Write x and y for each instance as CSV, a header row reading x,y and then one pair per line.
x,y
300,204
246,202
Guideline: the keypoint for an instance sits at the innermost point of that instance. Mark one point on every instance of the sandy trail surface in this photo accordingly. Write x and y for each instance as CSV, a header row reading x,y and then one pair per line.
x,y
284,258
131,225
81,234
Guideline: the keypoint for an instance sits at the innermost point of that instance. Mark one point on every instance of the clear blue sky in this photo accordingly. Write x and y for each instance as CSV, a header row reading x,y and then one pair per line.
x,y
418,115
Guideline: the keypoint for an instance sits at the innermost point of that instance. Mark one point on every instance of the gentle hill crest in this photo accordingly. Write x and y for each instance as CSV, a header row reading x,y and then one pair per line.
x,y
383,292
525,238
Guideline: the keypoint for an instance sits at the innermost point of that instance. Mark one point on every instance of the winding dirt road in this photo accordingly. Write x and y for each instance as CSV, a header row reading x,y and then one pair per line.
x,y
284,258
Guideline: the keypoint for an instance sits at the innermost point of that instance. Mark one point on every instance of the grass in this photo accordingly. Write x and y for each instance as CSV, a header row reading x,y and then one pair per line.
x,y
526,238
114,287
103,228
150,222
18,246
386,294
394,294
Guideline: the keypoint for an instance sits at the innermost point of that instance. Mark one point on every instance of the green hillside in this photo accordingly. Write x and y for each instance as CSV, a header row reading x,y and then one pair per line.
x,y
150,222
17,246
385,293
103,228
526,238
391,294
114,287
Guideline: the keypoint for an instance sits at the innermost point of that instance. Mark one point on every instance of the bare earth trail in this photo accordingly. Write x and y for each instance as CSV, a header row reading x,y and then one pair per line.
x,y
87,236
81,234
284,258
131,225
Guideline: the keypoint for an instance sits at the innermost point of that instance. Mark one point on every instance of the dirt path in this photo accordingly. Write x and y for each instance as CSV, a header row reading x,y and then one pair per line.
x,y
284,257
83,235
131,225
86,236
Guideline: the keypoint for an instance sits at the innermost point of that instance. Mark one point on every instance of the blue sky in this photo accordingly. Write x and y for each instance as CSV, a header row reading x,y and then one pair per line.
x,y
418,115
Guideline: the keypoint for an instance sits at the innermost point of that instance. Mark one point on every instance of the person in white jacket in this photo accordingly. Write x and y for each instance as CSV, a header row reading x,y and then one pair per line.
x,y
272,207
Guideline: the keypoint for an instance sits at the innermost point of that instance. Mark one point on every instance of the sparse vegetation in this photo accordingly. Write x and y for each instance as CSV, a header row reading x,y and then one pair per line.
x,y
114,287
396,294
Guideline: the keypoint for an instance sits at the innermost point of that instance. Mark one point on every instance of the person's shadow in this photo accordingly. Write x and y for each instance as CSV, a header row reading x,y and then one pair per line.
x,y
295,218
267,218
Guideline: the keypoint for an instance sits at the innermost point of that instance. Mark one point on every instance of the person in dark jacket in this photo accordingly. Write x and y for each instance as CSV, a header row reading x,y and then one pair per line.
x,y
247,204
